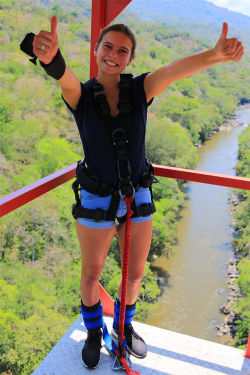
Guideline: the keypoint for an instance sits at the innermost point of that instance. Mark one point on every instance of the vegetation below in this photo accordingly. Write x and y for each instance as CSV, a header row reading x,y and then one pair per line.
x,y
242,226
40,256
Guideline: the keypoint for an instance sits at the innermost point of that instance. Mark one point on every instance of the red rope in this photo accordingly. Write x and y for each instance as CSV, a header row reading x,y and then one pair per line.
x,y
128,201
121,356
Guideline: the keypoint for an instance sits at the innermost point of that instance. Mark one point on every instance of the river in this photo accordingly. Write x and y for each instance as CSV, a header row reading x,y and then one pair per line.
x,y
190,301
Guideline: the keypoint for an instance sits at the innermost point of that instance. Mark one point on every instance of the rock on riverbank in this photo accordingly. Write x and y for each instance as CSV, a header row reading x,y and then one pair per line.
x,y
229,325
230,124
233,122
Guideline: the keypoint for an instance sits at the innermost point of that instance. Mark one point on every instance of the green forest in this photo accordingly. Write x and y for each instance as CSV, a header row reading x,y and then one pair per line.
x,y
242,243
40,255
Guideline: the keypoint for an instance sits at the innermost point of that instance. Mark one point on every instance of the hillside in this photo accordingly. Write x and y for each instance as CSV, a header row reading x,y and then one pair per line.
x,y
195,10
196,17
198,10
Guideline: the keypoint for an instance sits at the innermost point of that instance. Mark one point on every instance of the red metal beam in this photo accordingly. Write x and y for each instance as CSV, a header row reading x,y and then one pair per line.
x,y
247,352
27,194
107,302
20,197
235,182
103,12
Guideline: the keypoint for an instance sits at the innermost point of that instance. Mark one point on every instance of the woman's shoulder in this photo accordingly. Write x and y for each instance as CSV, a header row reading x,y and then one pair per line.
x,y
138,81
140,77
139,90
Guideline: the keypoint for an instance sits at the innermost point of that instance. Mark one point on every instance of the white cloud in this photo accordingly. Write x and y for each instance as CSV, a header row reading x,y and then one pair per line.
x,y
241,6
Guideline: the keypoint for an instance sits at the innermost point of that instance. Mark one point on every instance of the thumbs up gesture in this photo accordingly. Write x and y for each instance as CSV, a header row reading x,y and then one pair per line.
x,y
45,45
228,49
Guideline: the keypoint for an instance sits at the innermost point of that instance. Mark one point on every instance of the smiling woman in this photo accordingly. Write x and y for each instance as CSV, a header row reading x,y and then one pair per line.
x,y
111,112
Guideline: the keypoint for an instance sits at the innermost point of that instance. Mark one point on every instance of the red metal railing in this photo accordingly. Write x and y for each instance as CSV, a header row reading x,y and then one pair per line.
x,y
20,197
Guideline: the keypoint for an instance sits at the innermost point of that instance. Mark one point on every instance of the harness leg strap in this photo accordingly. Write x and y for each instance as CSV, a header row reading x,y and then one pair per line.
x,y
92,316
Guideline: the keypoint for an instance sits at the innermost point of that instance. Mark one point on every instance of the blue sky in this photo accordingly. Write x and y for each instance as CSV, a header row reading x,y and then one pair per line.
x,y
241,6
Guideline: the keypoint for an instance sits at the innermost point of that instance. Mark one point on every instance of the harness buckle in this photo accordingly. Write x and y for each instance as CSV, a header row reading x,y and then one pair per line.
x,y
144,210
128,169
117,365
99,215
127,191
123,135
74,205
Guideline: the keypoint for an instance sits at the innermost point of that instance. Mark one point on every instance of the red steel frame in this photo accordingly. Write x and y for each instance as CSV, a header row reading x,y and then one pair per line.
x,y
20,197
103,12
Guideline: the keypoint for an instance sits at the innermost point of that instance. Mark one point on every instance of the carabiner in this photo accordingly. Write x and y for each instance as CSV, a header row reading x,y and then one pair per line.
x,y
119,366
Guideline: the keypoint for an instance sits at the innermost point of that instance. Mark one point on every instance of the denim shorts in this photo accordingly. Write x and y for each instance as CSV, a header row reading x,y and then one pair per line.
x,y
93,202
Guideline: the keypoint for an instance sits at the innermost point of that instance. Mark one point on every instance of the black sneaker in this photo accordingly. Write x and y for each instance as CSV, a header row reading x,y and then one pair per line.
x,y
91,349
136,345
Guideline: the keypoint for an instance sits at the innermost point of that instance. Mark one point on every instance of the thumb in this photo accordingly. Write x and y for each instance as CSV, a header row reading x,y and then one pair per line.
x,y
224,32
53,24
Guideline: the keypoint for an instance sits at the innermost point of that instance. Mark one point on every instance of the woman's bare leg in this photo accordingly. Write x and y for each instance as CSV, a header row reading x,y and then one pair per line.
x,y
140,240
94,244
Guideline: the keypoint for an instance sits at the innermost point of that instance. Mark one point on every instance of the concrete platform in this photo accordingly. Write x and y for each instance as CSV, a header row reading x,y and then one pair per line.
x,y
169,353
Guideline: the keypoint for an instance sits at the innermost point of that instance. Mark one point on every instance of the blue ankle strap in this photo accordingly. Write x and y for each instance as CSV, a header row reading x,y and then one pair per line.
x,y
129,314
93,319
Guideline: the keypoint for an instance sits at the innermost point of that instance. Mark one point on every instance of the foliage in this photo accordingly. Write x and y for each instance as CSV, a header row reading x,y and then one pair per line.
x,y
169,144
242,226
243,305
29,325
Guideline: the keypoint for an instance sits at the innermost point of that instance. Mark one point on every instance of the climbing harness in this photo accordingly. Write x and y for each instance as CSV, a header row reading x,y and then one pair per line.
x,y
88,179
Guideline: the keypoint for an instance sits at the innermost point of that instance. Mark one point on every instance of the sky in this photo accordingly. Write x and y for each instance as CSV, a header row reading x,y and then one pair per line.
x,y
241,6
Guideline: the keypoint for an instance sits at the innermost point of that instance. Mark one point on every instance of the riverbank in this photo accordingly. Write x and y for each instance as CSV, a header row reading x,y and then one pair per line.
x,y
233,122
229,326
232,318
193,279
229,124
231,323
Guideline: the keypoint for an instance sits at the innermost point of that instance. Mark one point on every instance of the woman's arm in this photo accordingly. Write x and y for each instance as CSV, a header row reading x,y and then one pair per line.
x,y
225,50
71,88
45,47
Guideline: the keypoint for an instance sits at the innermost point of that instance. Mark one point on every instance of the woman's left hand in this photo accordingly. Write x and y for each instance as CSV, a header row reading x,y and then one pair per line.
x,y
228,49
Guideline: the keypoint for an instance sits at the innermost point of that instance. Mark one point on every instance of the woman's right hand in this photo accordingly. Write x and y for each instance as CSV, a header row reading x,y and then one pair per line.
x,y
45,45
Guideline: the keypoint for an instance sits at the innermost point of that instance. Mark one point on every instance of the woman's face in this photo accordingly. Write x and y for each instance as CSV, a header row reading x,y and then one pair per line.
x,y
114,52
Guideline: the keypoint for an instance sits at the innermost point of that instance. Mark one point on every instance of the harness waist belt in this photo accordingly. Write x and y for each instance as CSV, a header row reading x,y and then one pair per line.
x,y
99,215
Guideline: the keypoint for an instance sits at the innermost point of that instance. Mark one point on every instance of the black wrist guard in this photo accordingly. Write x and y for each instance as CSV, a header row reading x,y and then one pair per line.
x,y
56,68
27,47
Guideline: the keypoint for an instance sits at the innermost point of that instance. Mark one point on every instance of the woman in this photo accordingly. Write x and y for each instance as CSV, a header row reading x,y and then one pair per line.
x,y
114,51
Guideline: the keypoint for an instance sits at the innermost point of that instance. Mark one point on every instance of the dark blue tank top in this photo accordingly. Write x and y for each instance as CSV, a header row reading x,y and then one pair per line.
x,y
100,154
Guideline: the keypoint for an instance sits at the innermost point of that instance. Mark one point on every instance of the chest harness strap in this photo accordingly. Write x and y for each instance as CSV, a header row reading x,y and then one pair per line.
x,y
87,178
